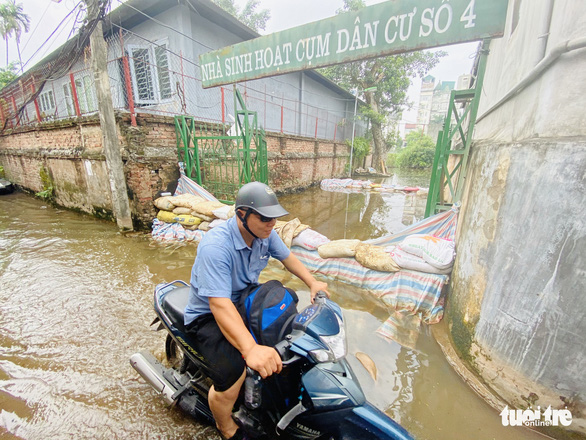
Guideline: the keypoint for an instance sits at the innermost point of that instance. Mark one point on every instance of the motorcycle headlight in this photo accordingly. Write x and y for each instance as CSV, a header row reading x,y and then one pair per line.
x,y
336,346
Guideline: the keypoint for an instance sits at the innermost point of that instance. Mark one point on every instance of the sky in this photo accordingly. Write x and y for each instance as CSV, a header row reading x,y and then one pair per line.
x,y
45,16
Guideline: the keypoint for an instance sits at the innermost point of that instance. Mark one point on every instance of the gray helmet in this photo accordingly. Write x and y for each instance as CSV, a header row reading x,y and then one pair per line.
x,y
260,198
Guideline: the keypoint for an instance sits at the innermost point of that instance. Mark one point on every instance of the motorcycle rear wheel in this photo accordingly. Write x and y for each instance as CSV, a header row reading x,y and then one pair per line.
x,y
173,353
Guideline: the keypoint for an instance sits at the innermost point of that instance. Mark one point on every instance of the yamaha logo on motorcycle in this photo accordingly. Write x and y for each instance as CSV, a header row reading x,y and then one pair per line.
x,y
316,396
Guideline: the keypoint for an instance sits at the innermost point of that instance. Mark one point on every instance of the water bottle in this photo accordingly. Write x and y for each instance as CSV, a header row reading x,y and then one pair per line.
x,y
252,389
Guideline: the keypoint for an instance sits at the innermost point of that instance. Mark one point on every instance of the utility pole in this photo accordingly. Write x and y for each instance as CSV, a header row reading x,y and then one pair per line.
x,y
110,142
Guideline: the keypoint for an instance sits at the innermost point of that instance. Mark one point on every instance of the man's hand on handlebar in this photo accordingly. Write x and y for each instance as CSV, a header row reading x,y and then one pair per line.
x,y
265,360
316,286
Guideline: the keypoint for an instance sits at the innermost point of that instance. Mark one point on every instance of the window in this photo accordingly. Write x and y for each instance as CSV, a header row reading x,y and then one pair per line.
x,y
68,99
151,78
47,103
85,96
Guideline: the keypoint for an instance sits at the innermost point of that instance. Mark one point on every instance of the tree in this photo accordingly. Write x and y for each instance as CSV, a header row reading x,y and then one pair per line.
x,y
391,77
13,20
418,153
361,150
248,15
8,74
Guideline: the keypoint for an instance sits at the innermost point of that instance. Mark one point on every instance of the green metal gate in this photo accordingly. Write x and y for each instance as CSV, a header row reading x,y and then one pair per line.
x,y
220,158
450,165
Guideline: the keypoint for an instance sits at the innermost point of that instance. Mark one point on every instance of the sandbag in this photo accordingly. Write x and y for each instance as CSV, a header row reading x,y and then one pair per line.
x,y
217,222
181,210
309,239
164,203
287,230
169,217
207,207
186,200
375,258
204,226
436,251
205,218
225,212
338,249
408,261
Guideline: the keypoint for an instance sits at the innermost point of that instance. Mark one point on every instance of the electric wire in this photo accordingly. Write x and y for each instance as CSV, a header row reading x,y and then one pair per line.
x,y
160,23
36,27
212,48
68,55
52,33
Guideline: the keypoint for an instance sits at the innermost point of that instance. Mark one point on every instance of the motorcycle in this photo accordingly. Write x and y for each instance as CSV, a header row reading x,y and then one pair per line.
x,y
316,395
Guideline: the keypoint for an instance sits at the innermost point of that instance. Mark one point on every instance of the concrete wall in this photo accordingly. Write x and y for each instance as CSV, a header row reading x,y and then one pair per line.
x,y
68,156
517,310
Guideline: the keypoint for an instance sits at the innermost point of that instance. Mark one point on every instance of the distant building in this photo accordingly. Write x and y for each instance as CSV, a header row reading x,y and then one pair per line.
x,y
425,102
434,99
439,107
411,127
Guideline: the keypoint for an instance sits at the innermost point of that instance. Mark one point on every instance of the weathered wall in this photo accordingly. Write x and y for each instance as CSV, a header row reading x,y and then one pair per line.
x,y
518,306
68,156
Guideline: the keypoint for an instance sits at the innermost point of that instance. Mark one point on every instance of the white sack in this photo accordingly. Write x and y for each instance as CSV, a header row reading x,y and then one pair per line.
x,y
309,239
436,251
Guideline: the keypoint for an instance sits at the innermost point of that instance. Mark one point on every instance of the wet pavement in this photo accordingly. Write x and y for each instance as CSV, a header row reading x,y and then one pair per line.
x,y
75,303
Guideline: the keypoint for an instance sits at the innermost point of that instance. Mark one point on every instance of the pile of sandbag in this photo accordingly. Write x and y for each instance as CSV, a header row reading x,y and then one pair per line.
x,y
193,212
368,255
425,253
294,233
422,253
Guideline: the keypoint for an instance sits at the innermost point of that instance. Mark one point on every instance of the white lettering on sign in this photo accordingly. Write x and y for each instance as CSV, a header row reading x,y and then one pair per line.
x,y
399,21
376,30
362,37
313,47
531,417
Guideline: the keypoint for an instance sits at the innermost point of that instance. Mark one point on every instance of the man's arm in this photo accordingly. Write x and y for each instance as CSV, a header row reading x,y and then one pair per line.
x,y
261,358
297,268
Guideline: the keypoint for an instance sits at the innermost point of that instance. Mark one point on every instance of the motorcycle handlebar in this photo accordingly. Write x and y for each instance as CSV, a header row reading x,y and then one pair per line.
x,y
320,297
283,349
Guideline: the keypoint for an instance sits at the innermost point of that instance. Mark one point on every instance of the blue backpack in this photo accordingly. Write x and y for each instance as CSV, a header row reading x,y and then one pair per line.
x,y
268,311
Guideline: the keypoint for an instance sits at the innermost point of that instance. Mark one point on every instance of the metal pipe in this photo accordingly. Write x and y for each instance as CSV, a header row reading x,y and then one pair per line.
x,y
152,371
353,129
369,89
565,47
544,31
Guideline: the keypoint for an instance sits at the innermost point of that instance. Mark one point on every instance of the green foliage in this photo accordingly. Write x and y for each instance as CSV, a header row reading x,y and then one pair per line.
x,y
48,191
8,74
248,15
361,149
418,153
13,20
391,161
1,171
390,75
393,140
46,194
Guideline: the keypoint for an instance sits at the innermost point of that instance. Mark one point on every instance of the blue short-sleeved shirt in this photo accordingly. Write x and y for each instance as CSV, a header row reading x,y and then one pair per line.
x,y
225,264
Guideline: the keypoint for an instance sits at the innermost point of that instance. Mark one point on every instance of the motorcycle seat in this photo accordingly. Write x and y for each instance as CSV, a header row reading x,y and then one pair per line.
x,y
174,304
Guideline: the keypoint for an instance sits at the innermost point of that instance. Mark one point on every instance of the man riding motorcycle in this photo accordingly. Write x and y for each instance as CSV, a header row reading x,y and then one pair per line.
x,y
229,259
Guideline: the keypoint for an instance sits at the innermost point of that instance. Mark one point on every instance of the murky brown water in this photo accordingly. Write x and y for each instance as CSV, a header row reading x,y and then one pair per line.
x,y
75,303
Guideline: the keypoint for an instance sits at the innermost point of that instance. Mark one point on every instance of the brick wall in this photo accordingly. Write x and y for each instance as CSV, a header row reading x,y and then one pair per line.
x,y
70,154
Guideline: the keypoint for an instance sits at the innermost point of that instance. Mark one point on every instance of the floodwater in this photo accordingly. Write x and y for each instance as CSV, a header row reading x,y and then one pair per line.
x,y
75,304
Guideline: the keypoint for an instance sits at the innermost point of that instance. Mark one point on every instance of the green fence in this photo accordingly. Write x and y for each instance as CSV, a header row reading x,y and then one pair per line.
x,y
222,158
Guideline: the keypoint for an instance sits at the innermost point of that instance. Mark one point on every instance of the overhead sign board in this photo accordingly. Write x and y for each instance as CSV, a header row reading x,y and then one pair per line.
x,y
386,28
